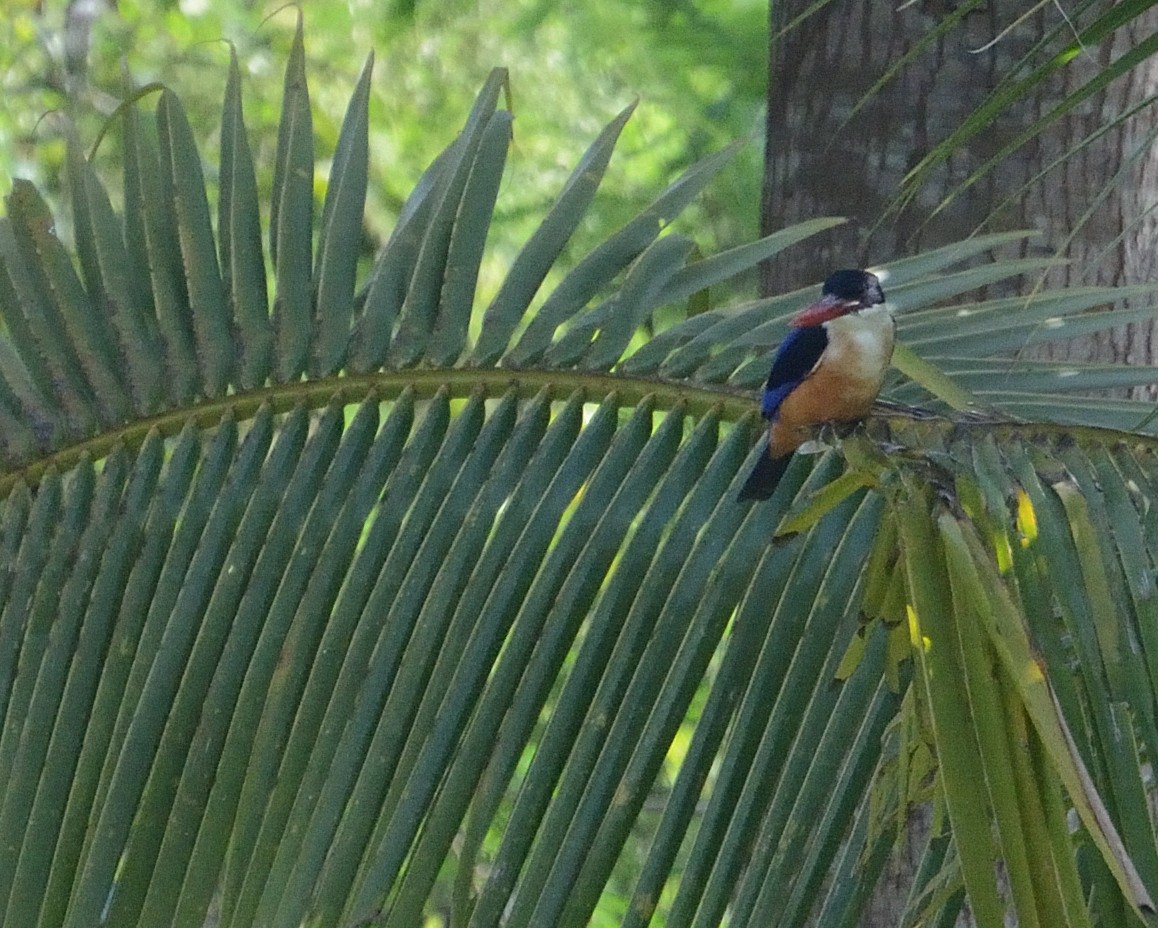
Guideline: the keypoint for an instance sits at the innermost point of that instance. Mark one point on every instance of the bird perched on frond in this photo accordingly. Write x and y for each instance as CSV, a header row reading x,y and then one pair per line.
x,y
829,368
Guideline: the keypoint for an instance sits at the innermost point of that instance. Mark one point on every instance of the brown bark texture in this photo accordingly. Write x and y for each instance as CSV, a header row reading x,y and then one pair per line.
x,y
860,91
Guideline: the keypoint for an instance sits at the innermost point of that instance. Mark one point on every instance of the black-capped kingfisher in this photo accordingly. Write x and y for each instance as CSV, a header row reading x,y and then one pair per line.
x,y
829,368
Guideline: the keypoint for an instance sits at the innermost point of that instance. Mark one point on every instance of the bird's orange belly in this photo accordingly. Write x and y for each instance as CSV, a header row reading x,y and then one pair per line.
x,y
827,395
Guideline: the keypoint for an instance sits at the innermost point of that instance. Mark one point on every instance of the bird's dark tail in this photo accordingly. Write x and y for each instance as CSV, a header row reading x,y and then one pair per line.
x,y
764,478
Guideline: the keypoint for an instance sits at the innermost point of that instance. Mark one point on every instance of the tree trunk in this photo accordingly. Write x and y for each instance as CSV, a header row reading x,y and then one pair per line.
x,y
860,91
839,144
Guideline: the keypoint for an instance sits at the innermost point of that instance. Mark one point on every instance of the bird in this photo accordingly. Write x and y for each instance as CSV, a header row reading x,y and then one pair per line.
x,y
829,368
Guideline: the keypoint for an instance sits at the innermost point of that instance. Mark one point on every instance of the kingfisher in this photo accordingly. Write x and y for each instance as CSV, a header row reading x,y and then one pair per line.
x,y
829,368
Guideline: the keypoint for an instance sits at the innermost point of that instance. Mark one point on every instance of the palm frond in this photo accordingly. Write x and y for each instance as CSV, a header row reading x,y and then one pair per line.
x,y
388,599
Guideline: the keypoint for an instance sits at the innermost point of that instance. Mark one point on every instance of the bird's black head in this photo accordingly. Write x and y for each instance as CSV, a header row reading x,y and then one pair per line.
x,y
852,284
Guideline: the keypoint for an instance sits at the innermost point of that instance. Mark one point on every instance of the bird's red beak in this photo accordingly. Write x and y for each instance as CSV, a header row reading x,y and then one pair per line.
x,y
827,307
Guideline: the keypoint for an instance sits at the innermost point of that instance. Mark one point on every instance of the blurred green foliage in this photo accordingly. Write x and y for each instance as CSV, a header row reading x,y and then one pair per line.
x,y
698,69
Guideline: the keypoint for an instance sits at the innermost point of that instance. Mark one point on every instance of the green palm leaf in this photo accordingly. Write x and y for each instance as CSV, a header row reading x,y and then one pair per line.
x,y
338,612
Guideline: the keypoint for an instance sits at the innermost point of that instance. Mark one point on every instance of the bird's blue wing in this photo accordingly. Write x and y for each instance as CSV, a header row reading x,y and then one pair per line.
x,y
795,359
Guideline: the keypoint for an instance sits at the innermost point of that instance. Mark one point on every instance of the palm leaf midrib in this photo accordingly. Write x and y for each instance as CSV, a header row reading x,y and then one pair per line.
x,y
730,403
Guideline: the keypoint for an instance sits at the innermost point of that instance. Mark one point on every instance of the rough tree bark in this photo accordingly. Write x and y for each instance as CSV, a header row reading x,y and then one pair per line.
x,y
837,145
